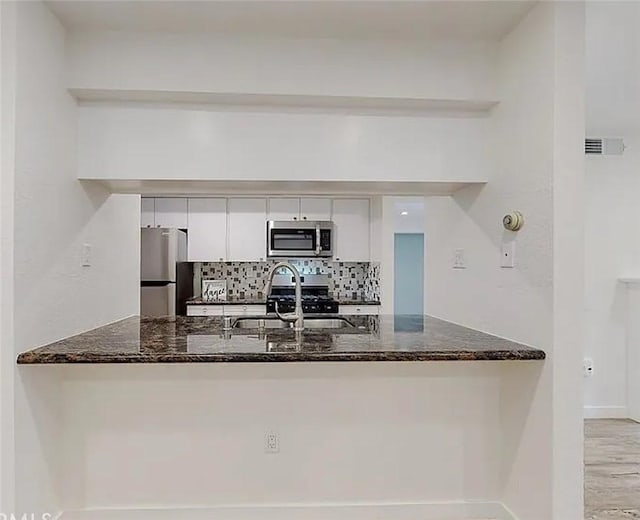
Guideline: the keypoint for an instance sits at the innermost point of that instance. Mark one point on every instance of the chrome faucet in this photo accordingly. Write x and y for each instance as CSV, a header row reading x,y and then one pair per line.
x,y
297,318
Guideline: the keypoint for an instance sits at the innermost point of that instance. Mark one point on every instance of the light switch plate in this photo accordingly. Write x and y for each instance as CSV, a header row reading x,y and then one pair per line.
x,y
86,255
459,261
508,254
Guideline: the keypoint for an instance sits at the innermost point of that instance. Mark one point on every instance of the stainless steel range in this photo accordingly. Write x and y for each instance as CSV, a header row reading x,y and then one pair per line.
x,y
315,294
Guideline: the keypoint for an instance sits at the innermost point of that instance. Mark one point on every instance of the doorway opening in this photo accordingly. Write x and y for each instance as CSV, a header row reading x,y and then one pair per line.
x,y
409,274
409,262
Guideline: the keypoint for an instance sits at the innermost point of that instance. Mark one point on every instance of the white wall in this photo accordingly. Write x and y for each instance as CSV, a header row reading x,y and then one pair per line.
x,y
612,228
522,179
413,221
223,63
245,143
568,260
193,436
54,215
514,303
509,432
538,128
613,71
612,190
180,143
7,151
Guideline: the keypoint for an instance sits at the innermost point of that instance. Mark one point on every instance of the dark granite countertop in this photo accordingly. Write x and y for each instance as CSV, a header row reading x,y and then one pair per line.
x,y
260,301
201,340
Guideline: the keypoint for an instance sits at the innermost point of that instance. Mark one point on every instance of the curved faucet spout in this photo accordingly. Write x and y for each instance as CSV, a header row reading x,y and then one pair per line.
x,y
297,317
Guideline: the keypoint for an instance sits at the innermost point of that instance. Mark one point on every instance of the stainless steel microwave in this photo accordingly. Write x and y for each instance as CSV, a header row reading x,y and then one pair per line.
x,y
299,238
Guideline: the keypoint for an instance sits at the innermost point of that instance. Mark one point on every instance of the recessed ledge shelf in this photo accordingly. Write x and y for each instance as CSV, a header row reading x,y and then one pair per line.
x,y
292,102
630,280
186,187
460,510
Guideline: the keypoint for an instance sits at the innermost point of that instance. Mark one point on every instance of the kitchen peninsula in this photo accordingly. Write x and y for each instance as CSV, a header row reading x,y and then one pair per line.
x,y
200,340
183,407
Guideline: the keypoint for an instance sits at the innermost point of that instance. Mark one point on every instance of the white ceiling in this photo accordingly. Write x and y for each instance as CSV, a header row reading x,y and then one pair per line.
x,y
393,19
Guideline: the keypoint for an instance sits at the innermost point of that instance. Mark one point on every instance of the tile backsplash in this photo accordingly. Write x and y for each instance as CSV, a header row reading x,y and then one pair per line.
x,y
347,280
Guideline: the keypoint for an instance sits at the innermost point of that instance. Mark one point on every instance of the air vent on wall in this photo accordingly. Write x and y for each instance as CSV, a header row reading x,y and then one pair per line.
x,y
603,146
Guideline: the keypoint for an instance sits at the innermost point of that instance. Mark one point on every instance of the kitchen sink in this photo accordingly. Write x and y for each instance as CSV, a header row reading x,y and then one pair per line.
x,y
328,323
310,322
260,323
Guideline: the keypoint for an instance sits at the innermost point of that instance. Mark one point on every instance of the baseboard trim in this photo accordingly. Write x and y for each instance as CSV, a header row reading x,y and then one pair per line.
x,y
606,412
382,511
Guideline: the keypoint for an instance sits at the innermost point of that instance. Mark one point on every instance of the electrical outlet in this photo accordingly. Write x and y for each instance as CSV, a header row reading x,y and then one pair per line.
x,y
458,259
588,367
271,442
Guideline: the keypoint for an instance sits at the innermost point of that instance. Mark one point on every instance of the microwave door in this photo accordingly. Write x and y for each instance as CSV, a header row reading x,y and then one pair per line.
x,y
292,242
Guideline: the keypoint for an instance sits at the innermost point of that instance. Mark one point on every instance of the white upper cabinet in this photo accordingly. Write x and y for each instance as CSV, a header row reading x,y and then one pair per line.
x,y
207,237
315,208
247,229
284,209
148,215
234,229
307,208
351,225
171,213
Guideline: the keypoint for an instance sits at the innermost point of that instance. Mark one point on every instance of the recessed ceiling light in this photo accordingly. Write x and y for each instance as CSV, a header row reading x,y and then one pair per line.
x,y
404,213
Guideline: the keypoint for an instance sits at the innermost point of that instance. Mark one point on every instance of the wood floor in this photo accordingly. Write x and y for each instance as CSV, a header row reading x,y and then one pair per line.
x,y
612,469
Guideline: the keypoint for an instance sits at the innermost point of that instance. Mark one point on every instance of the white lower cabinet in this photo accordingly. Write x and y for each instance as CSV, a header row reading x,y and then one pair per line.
x,y
227,310
261,310
205,310
245,310
359,310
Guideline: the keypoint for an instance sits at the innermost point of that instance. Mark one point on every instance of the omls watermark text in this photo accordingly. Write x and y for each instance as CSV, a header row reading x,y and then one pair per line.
x,y
26,516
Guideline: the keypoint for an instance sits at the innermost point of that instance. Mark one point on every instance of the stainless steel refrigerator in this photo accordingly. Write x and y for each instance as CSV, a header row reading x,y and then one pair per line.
x,y
166,278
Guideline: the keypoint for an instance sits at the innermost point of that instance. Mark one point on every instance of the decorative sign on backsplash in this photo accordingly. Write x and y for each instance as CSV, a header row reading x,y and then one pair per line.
x,y
214,290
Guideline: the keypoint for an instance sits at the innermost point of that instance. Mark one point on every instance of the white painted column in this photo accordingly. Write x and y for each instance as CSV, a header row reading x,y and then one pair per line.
x,y
633,346
382,248
568,260
7,175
